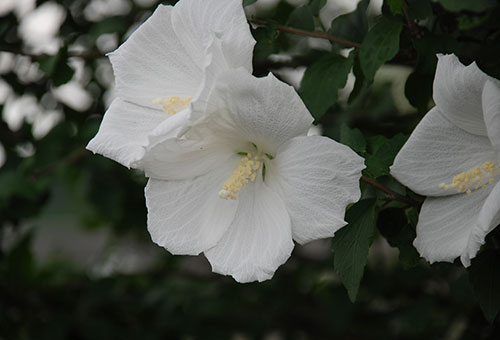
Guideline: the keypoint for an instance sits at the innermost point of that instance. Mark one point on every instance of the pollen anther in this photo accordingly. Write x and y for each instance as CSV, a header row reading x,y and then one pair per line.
x,y
476,178
244,173
174,104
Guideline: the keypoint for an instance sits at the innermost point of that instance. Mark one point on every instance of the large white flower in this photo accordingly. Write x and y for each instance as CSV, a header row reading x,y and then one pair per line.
x,y
166,64
453,157
246,180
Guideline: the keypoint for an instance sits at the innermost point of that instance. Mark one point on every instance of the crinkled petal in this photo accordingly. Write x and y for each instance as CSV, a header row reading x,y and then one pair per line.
x,y
153,63
436,151
445,224
491,110
187,216
258,240
317,178
195,20
457,93
264,111
488,219
123,134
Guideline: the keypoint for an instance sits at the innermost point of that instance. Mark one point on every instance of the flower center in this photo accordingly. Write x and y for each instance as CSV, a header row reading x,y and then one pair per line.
x,y
245,172
476,178
174,104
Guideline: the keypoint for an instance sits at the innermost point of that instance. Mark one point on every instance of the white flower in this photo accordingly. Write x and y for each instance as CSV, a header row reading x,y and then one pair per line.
x,y
453,157
246,180
165,65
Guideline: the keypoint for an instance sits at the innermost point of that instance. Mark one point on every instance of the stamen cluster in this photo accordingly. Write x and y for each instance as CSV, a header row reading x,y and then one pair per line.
x,y
245,172
173,104
475,178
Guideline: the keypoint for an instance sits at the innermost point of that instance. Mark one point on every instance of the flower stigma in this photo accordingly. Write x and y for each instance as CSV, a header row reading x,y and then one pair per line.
x,y
244,173
476,178
173,104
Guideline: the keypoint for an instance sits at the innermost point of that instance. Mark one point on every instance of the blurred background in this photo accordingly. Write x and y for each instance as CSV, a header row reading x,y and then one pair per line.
x,y
76,261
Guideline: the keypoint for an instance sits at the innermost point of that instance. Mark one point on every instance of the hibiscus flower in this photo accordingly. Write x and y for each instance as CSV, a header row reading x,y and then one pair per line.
x,y
246,180
452,157
165,65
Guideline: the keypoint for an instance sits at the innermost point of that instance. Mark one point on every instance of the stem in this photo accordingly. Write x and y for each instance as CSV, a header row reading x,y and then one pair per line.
x,y
414,31
316,34
19,51
390,193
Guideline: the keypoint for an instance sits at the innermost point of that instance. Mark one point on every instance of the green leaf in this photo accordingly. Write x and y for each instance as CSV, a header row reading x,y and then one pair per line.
x,y
380,45
351,244
301,18
115,24
485,279
353,138
56,67
359,84
352,26
321,82
266,42
418,90
378,163
419,9
396,6
316,6
248,2
467,5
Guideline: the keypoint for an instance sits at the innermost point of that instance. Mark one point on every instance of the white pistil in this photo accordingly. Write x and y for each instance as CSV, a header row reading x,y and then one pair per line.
x,y
174,104
245,172
476,178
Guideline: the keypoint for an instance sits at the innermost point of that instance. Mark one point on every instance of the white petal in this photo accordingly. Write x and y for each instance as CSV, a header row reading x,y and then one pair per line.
x,y
195,20
176,159
123,134
437,151
491,110
265,111
457,93
317,178
153,63
445,224
188,217
488,219
259,239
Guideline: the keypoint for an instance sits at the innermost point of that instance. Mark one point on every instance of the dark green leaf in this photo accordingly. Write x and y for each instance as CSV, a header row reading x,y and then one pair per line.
x,y
248,2
418,90
468,5
302,18
419,9
351,244
316,6
485,279
396,6
351,26
321,82
353,138
266,42
360,80
380,45
378,163
108,25
57,68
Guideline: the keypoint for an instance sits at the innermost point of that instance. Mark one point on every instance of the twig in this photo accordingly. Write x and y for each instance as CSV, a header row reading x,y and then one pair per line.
x,y
19,51
315,34
414,31
390,193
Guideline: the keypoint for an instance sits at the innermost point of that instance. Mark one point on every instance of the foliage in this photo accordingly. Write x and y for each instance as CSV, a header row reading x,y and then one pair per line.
x,y
396,294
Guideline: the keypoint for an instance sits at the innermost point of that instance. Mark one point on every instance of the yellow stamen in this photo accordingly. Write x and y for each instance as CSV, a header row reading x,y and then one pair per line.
x,y
476,178
245,172
174,104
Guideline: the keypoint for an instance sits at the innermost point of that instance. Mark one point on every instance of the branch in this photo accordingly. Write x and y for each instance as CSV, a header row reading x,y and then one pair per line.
x,y
320,35
19,51
390,193
414,31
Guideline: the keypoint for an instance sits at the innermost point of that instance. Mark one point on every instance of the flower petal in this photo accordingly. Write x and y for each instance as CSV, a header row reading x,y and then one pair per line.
x,y
445,224
488,219
491,110
457,93
437,151
188,217
123,135
153,63
259,239
264,111
317,178
194,20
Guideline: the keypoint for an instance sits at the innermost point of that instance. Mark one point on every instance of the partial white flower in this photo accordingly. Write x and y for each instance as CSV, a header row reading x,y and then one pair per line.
x,y
453,158
245,180
164,66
